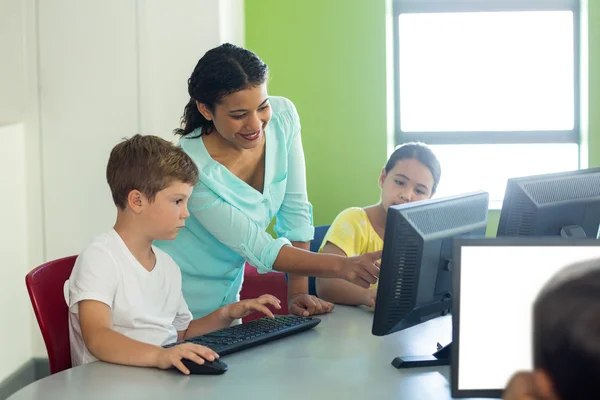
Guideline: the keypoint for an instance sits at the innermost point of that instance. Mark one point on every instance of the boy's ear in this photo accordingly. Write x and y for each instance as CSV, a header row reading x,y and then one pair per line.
x,y
135,201
382,178
206,113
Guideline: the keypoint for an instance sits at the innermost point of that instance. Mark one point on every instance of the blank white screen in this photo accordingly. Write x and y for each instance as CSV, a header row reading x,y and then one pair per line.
x,y
498,285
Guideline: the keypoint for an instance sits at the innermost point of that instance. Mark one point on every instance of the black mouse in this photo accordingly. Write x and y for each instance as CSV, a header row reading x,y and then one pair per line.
x,y
215,367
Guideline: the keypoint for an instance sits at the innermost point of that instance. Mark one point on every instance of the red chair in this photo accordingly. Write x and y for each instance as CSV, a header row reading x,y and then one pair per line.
x,y
256,284
45,286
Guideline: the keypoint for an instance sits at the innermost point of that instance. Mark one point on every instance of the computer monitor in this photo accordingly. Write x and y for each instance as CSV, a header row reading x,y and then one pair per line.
x,y
415,280
564,204
496,282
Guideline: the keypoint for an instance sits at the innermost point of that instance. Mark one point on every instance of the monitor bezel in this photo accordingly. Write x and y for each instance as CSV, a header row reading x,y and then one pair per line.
x,y
458,244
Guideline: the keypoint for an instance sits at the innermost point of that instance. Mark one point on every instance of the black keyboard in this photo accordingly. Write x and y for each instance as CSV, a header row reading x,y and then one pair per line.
x,y
253,333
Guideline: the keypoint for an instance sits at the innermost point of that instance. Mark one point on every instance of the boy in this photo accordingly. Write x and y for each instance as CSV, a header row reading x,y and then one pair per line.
x,y
124,294
566,339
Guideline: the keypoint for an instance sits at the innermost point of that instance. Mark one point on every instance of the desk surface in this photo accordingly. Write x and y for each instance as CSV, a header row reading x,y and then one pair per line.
x,y
339,358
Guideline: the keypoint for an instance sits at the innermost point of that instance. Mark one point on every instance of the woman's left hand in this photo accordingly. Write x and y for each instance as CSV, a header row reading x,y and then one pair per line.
x,y
303,304
243,308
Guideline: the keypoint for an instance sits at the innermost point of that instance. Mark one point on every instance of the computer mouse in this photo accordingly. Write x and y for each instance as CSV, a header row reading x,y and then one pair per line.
x,y
215,367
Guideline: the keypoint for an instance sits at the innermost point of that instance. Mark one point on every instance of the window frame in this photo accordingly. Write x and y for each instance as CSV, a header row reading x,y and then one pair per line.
x,y
489,137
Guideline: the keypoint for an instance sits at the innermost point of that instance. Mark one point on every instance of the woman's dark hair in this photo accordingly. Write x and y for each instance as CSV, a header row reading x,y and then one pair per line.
x,y
566,334
420,152
221,71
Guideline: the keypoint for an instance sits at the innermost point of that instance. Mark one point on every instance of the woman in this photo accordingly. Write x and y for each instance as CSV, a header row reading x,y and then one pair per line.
x,y
248,148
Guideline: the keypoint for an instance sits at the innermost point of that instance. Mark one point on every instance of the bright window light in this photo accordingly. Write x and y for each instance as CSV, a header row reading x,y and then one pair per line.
x,y
485,72
467,168
488,71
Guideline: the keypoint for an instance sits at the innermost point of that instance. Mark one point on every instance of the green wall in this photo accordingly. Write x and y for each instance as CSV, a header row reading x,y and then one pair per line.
x,y
328,57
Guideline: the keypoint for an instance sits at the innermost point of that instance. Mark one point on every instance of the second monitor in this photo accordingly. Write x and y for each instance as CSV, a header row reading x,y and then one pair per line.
x,y
563,204
415,281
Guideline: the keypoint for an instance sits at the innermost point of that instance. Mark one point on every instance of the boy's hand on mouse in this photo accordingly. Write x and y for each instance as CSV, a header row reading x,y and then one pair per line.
x,y
245,307
304,304
361,270
172,356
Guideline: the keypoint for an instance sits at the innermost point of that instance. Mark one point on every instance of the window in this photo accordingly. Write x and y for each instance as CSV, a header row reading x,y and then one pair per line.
x,y
491,85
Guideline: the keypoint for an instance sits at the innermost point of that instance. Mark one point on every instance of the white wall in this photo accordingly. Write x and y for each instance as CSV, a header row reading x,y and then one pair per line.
x,y
33,154
89,101
12,78
109,71
21,207
78,77
168,53
231,21
15,312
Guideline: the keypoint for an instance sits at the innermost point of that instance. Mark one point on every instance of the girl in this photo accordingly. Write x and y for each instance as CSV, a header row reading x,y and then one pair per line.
x,y
412,173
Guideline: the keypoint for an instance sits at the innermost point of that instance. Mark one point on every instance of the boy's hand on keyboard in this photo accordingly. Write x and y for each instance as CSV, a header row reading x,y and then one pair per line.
x,y
245,307
304,304
172,356
361,270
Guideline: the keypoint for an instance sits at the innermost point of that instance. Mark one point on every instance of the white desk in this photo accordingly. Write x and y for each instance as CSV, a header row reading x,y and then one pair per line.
x,y
339,359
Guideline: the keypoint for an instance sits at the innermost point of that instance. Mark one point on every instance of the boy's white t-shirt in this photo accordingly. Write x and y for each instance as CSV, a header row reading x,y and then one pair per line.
x,y
146,305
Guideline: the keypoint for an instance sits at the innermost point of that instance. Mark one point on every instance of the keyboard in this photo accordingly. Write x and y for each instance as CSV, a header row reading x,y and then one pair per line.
x,y
240,337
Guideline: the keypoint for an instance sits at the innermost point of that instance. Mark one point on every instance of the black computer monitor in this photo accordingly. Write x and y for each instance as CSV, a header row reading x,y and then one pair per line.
x,y
562,204
415,281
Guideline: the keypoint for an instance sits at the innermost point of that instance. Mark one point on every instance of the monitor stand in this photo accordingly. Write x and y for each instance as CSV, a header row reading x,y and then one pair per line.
x,y
440,357
572,231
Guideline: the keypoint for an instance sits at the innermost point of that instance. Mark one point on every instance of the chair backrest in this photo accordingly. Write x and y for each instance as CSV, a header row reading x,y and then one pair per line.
x,y
256,284
320,232
45,286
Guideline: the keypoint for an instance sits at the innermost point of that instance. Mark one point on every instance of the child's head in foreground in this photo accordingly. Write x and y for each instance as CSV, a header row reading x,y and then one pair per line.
x,y
566,338
151,180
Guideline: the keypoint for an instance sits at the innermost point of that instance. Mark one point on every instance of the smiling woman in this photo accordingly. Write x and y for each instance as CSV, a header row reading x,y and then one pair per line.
x,y
244,115
248,149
